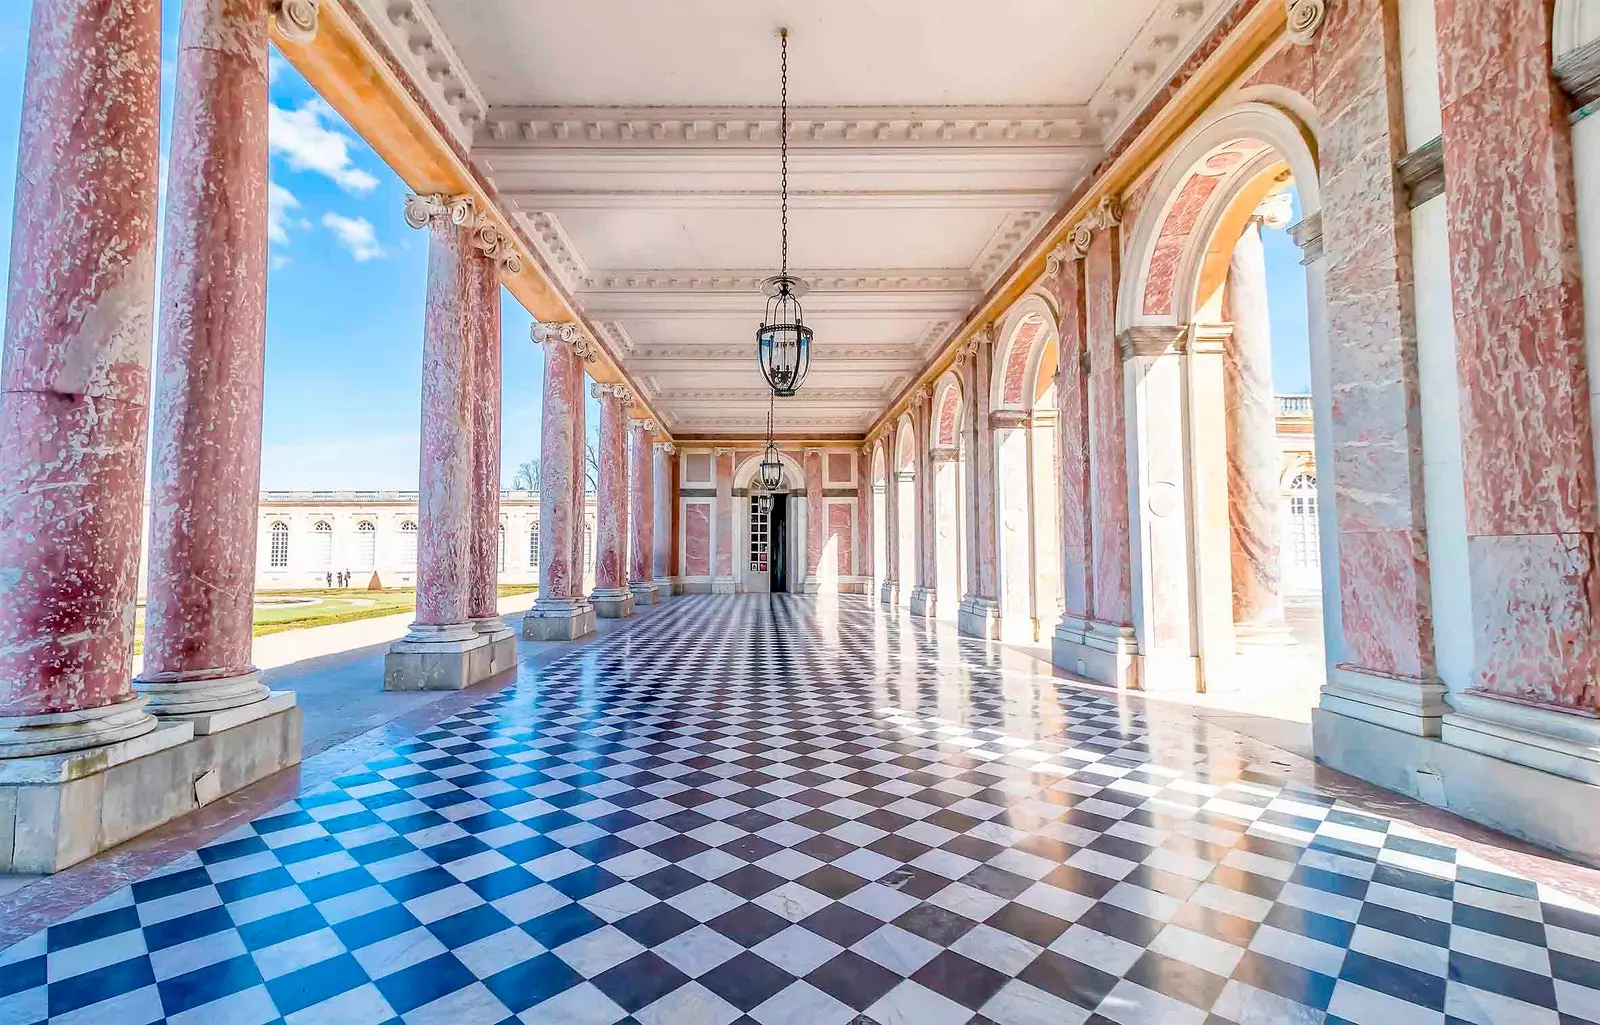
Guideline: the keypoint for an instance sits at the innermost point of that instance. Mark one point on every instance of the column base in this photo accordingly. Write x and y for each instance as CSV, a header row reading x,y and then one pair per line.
x,y
50,733
450,656
1551,810
924,602
190,693
811,585
889,593
723,585
502,642
612,603
645,592
1409,704
1540,738
664,587
56,810
978,617
558,619
1101,652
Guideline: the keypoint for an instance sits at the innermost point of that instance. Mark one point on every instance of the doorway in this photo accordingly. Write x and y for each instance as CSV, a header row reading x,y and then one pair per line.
x,y
778,544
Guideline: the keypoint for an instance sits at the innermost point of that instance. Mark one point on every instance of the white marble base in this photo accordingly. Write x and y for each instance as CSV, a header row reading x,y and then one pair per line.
x,y
889,593
978,617
1414,706
206,723
924,602
1097,651
645,592
23,736
723,585
1169,672
177,695
558,619
612,603
810,585
1550,810
57,810
1540,738
448,657
665,587
502,643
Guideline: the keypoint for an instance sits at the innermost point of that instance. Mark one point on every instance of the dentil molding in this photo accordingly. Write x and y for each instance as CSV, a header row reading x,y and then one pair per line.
x,y
487,236
420,46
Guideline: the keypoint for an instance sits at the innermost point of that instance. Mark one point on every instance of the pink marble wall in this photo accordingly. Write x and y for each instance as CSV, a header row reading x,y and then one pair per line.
x,y
611,503
1287,68
483,319
1527,441
839,465
864,565
1112,593
1172,241
560,436
1072,396
697,539
206,463
1018,356
891,505
1376,423
641,504
983,541
444,521
77,353
666,504
839,535
724,467
949,417
926,530
816,513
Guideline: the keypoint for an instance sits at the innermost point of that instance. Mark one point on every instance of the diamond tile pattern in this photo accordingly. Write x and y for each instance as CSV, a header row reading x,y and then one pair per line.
x,y
753,810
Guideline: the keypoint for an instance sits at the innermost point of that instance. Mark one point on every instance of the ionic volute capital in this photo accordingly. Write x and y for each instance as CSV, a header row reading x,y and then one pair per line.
x,y
647,425
1304,18
296,20
666,448
462,210
621,392
564,332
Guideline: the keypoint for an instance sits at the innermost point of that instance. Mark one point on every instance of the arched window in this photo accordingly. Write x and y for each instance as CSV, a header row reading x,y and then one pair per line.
x,y
1303,537
502,562
533,546
278,548
365,556
321,558
408,545
588,546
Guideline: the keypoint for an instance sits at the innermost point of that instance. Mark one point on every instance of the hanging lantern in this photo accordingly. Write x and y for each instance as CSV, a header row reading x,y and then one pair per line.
x,y
783,342
763,501
771,469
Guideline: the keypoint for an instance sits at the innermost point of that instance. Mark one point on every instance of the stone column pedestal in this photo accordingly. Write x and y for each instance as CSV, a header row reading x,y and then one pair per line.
x,y
449,656
979,617
889,592
924,602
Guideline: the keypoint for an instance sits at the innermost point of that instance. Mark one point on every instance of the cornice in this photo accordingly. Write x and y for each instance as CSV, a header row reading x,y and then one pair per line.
x,y
422,48
749,280
744,127
1166,39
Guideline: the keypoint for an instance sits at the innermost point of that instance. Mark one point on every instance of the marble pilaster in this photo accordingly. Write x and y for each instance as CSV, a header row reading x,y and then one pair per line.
x,y
722,581
562,611
612,598
641,512
864,522
75,375
816,519
979,613
889,593
924,599
443,650
664,473
206,460
1072,399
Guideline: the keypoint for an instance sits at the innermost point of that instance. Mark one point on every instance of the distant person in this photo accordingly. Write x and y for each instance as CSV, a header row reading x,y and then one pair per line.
x,y
330,579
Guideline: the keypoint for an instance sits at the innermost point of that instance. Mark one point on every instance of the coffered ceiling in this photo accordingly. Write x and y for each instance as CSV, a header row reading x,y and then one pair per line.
x,y
638,144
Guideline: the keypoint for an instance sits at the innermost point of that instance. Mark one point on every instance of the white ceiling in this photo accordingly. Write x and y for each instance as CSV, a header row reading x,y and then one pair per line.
x,y
637,141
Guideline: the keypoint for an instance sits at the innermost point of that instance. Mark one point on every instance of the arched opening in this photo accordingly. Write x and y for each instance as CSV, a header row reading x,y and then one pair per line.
x,y
1220,328
1026,468
320,558
364,556
905,468
949,484
770,538
880,522
278,546
407,556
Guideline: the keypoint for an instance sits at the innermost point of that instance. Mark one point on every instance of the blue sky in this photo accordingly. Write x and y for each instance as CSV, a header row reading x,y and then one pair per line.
x,y
344,295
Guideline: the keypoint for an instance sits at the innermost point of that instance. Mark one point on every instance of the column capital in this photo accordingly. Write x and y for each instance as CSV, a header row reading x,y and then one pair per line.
x,y
296,20
487,236
921,395
666,448
1305,17
645,424
1275,211
563,331
809,452
600,390
979,338
720,452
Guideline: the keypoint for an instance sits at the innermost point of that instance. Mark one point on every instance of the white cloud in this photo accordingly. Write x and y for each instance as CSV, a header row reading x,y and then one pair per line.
x,y
308,144
280,204
357,234
275,65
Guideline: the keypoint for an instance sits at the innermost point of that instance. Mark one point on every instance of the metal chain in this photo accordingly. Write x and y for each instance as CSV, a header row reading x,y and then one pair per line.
x,y
783,143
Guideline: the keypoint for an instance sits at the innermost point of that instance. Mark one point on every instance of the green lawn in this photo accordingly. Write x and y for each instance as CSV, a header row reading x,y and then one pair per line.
x,y
324,606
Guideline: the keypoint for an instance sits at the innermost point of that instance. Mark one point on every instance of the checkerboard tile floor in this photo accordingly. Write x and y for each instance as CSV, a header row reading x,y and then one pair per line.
x,y
745,810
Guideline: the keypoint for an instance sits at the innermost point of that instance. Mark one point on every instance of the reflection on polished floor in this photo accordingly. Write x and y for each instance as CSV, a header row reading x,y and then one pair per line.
x,y
782,810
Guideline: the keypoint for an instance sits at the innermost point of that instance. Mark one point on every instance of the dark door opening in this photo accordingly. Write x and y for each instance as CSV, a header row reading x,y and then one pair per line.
x,y
778,544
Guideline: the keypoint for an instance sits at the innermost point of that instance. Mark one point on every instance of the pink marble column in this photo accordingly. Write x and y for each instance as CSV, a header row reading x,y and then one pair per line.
x,y
924,599
1527,438
979,615
483,585
1250,405
1072,396
665,474
722,573
612,597
890,592
1112,603
75,375
562,611
816,519
641,512
864,524
206,465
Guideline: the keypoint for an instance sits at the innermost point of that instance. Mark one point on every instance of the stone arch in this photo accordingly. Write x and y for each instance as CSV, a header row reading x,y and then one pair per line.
x,y
1028,339
793,476
947,411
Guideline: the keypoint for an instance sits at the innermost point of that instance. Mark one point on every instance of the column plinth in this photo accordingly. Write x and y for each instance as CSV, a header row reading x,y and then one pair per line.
x,y
562,612
1252,446
75,375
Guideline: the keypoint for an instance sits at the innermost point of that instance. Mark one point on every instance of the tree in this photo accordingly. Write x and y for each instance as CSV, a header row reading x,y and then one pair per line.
x,y
591,467
526,476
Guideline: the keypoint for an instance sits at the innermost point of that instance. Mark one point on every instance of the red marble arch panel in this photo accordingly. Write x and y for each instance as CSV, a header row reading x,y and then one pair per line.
x,y
948,417
839,468
840,519
1172,241
1018,357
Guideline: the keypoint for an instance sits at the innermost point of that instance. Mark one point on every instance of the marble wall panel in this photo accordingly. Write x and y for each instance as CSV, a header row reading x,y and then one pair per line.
x,y
724,551
1534,597
697,539
1108,445
840,526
